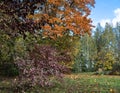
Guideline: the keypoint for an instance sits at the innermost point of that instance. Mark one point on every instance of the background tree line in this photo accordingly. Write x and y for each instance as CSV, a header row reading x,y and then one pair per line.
x,y
100,51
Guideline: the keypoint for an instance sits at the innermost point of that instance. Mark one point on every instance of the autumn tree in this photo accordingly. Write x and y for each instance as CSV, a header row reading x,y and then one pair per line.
x,y
52,18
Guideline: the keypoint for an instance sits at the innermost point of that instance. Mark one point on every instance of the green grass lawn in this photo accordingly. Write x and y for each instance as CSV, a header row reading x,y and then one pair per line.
x,y
89,83
75,83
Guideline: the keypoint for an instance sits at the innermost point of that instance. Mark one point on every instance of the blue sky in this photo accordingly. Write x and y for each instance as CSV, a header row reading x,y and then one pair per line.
x,y
106,11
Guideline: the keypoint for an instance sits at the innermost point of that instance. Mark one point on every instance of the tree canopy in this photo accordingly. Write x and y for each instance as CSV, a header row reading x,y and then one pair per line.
x,y
53,18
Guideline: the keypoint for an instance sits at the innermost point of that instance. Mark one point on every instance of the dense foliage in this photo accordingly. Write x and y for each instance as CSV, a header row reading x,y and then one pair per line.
x,y
99,52
42,64
52,18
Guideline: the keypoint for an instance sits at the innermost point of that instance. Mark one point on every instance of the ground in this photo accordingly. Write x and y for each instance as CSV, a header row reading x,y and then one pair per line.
x,y
73,83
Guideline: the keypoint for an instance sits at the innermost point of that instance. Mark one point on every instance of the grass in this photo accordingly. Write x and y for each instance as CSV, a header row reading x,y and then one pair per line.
x,y
75,83
96,84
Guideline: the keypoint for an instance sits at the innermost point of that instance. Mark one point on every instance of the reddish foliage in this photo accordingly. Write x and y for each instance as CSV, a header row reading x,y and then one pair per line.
x,y
54,17
43,64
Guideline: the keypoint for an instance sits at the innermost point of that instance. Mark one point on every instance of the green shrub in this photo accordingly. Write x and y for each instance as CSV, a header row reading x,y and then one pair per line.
x,y
105,61
116,69
8,69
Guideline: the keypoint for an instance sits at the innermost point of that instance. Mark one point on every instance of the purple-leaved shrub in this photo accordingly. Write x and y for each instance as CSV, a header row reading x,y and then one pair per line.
x,y
42,64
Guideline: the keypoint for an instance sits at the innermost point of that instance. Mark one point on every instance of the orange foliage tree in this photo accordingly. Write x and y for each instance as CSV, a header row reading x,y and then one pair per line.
x,y
53,18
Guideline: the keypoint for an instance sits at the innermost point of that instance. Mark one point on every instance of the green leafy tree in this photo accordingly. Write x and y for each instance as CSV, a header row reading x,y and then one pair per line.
x,y
98,38
117,33
105,61
116,66
109,38
105,44
85,56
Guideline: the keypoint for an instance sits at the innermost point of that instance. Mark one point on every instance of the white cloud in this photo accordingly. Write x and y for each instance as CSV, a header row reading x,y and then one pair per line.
x,y
112,21
104,21
117,16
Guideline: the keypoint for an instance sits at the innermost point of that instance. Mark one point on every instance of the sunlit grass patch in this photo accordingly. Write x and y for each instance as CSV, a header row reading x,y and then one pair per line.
x,y
98,83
